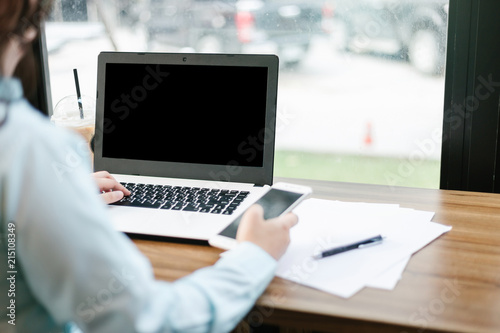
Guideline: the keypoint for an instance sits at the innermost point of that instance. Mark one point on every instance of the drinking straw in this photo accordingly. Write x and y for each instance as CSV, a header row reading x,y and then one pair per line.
x,y
78,94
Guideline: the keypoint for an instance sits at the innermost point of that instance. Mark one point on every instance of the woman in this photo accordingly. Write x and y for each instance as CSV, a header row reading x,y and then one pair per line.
x,y
63,266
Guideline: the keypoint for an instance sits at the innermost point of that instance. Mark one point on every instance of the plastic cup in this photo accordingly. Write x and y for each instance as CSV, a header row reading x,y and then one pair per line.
x,y
67,114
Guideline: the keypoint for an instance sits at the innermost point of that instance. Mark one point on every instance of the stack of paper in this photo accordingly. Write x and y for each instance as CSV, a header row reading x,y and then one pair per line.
x,y
325,224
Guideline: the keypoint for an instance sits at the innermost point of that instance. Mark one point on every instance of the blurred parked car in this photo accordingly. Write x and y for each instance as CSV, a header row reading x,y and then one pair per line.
x,y
414,30
282,27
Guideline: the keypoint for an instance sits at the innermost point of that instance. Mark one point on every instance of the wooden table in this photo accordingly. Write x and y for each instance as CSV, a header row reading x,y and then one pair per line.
x,y
452,285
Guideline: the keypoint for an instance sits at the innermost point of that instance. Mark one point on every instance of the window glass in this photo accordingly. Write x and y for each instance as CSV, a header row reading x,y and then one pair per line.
x,y
361,81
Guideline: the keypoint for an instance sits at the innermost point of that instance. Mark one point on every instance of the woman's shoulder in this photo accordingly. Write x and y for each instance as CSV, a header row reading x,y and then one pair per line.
x,y
23,118
26,129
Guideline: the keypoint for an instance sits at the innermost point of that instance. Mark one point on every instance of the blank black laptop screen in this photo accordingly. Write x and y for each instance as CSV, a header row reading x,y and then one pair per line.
x,y
185,113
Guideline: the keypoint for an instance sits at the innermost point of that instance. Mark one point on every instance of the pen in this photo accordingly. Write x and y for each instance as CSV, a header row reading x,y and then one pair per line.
x,y
358,245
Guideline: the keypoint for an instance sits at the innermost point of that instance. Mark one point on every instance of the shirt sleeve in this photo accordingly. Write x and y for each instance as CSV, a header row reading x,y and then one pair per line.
x,y
83,271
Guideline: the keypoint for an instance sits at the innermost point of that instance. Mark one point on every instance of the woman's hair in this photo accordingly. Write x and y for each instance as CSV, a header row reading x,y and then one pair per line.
x,y
10,12
16,17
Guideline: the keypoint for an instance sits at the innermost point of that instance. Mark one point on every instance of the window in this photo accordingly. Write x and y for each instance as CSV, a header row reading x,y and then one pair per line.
x,y
361,81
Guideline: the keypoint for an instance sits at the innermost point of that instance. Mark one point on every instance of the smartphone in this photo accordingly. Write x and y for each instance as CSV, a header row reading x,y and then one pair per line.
x,y
280,199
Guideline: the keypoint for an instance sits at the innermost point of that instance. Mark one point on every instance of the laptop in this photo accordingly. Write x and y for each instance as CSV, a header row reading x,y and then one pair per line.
x,y
191,135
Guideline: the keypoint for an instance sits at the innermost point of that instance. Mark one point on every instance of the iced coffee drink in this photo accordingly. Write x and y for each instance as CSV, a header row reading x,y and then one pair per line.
x,y
67,114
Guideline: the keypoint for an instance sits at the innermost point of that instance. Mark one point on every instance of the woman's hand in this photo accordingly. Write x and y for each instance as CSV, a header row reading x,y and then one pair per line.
x,y
111,190
272,235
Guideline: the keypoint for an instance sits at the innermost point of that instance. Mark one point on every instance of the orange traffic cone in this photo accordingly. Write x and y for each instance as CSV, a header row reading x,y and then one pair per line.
x,y
368,137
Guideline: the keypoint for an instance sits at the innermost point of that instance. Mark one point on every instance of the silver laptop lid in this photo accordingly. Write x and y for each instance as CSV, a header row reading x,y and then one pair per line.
x,y
194,116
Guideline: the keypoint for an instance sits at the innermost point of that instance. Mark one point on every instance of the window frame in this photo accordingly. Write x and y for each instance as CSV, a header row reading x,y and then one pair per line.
x,y
42,98
471,108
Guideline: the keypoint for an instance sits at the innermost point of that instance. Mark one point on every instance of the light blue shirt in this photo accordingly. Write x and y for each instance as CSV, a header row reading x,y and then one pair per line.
x,y
70,266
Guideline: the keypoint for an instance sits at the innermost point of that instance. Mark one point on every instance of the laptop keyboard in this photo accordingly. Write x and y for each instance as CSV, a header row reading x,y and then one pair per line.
x,y
192,199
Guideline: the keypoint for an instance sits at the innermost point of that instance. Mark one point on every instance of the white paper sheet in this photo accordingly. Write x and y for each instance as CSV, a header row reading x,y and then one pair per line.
x,y
324,224
390,278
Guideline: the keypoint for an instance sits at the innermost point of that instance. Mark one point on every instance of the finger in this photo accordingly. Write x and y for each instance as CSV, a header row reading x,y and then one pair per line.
x,y
287,221
290,220
110,197
106,184
254,213
102,174
118,186
122,188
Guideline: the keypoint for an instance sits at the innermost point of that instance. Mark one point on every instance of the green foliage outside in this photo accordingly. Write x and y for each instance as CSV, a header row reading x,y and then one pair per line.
x,y
358,169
